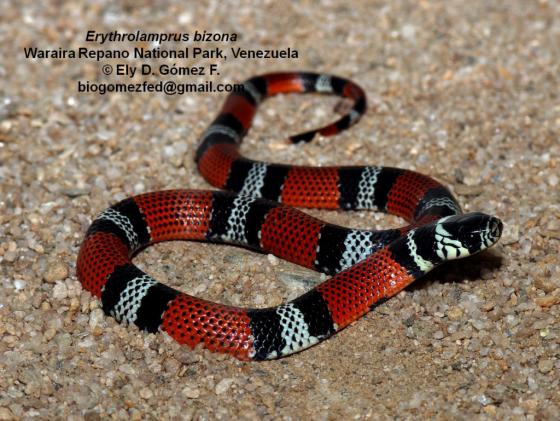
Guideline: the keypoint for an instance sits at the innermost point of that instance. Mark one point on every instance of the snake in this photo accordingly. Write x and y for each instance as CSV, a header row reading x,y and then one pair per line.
x,y
256,208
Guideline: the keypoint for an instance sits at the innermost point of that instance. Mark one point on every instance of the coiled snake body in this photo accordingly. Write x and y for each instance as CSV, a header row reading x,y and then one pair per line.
x,y
367,266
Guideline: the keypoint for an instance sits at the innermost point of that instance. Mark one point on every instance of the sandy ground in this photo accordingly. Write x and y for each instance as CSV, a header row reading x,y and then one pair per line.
x,y
467,92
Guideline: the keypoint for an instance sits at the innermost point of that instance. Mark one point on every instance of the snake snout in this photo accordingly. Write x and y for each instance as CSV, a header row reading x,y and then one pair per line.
x,y
490,230
496,227
491,233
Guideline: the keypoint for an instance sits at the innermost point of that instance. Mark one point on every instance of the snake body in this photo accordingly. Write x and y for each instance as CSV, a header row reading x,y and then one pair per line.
x,y
367,266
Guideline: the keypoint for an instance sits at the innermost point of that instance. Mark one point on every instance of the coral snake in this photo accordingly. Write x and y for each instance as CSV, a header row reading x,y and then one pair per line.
x,y
256,211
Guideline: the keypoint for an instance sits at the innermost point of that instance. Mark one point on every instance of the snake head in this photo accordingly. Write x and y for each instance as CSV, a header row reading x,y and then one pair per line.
x,y
462,235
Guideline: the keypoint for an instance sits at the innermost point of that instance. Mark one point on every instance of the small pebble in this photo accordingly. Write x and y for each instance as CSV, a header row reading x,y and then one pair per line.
x,y
96,317
57,271
10,256
510,234
19,284
545,365
6,414
272,259
146,393
223,385
490,410
548,301
60,291
484,400
439,335
49,334
455,313
191,392
185,356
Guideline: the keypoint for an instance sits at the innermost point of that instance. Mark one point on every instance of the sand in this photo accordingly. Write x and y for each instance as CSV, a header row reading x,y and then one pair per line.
x,y
466,92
